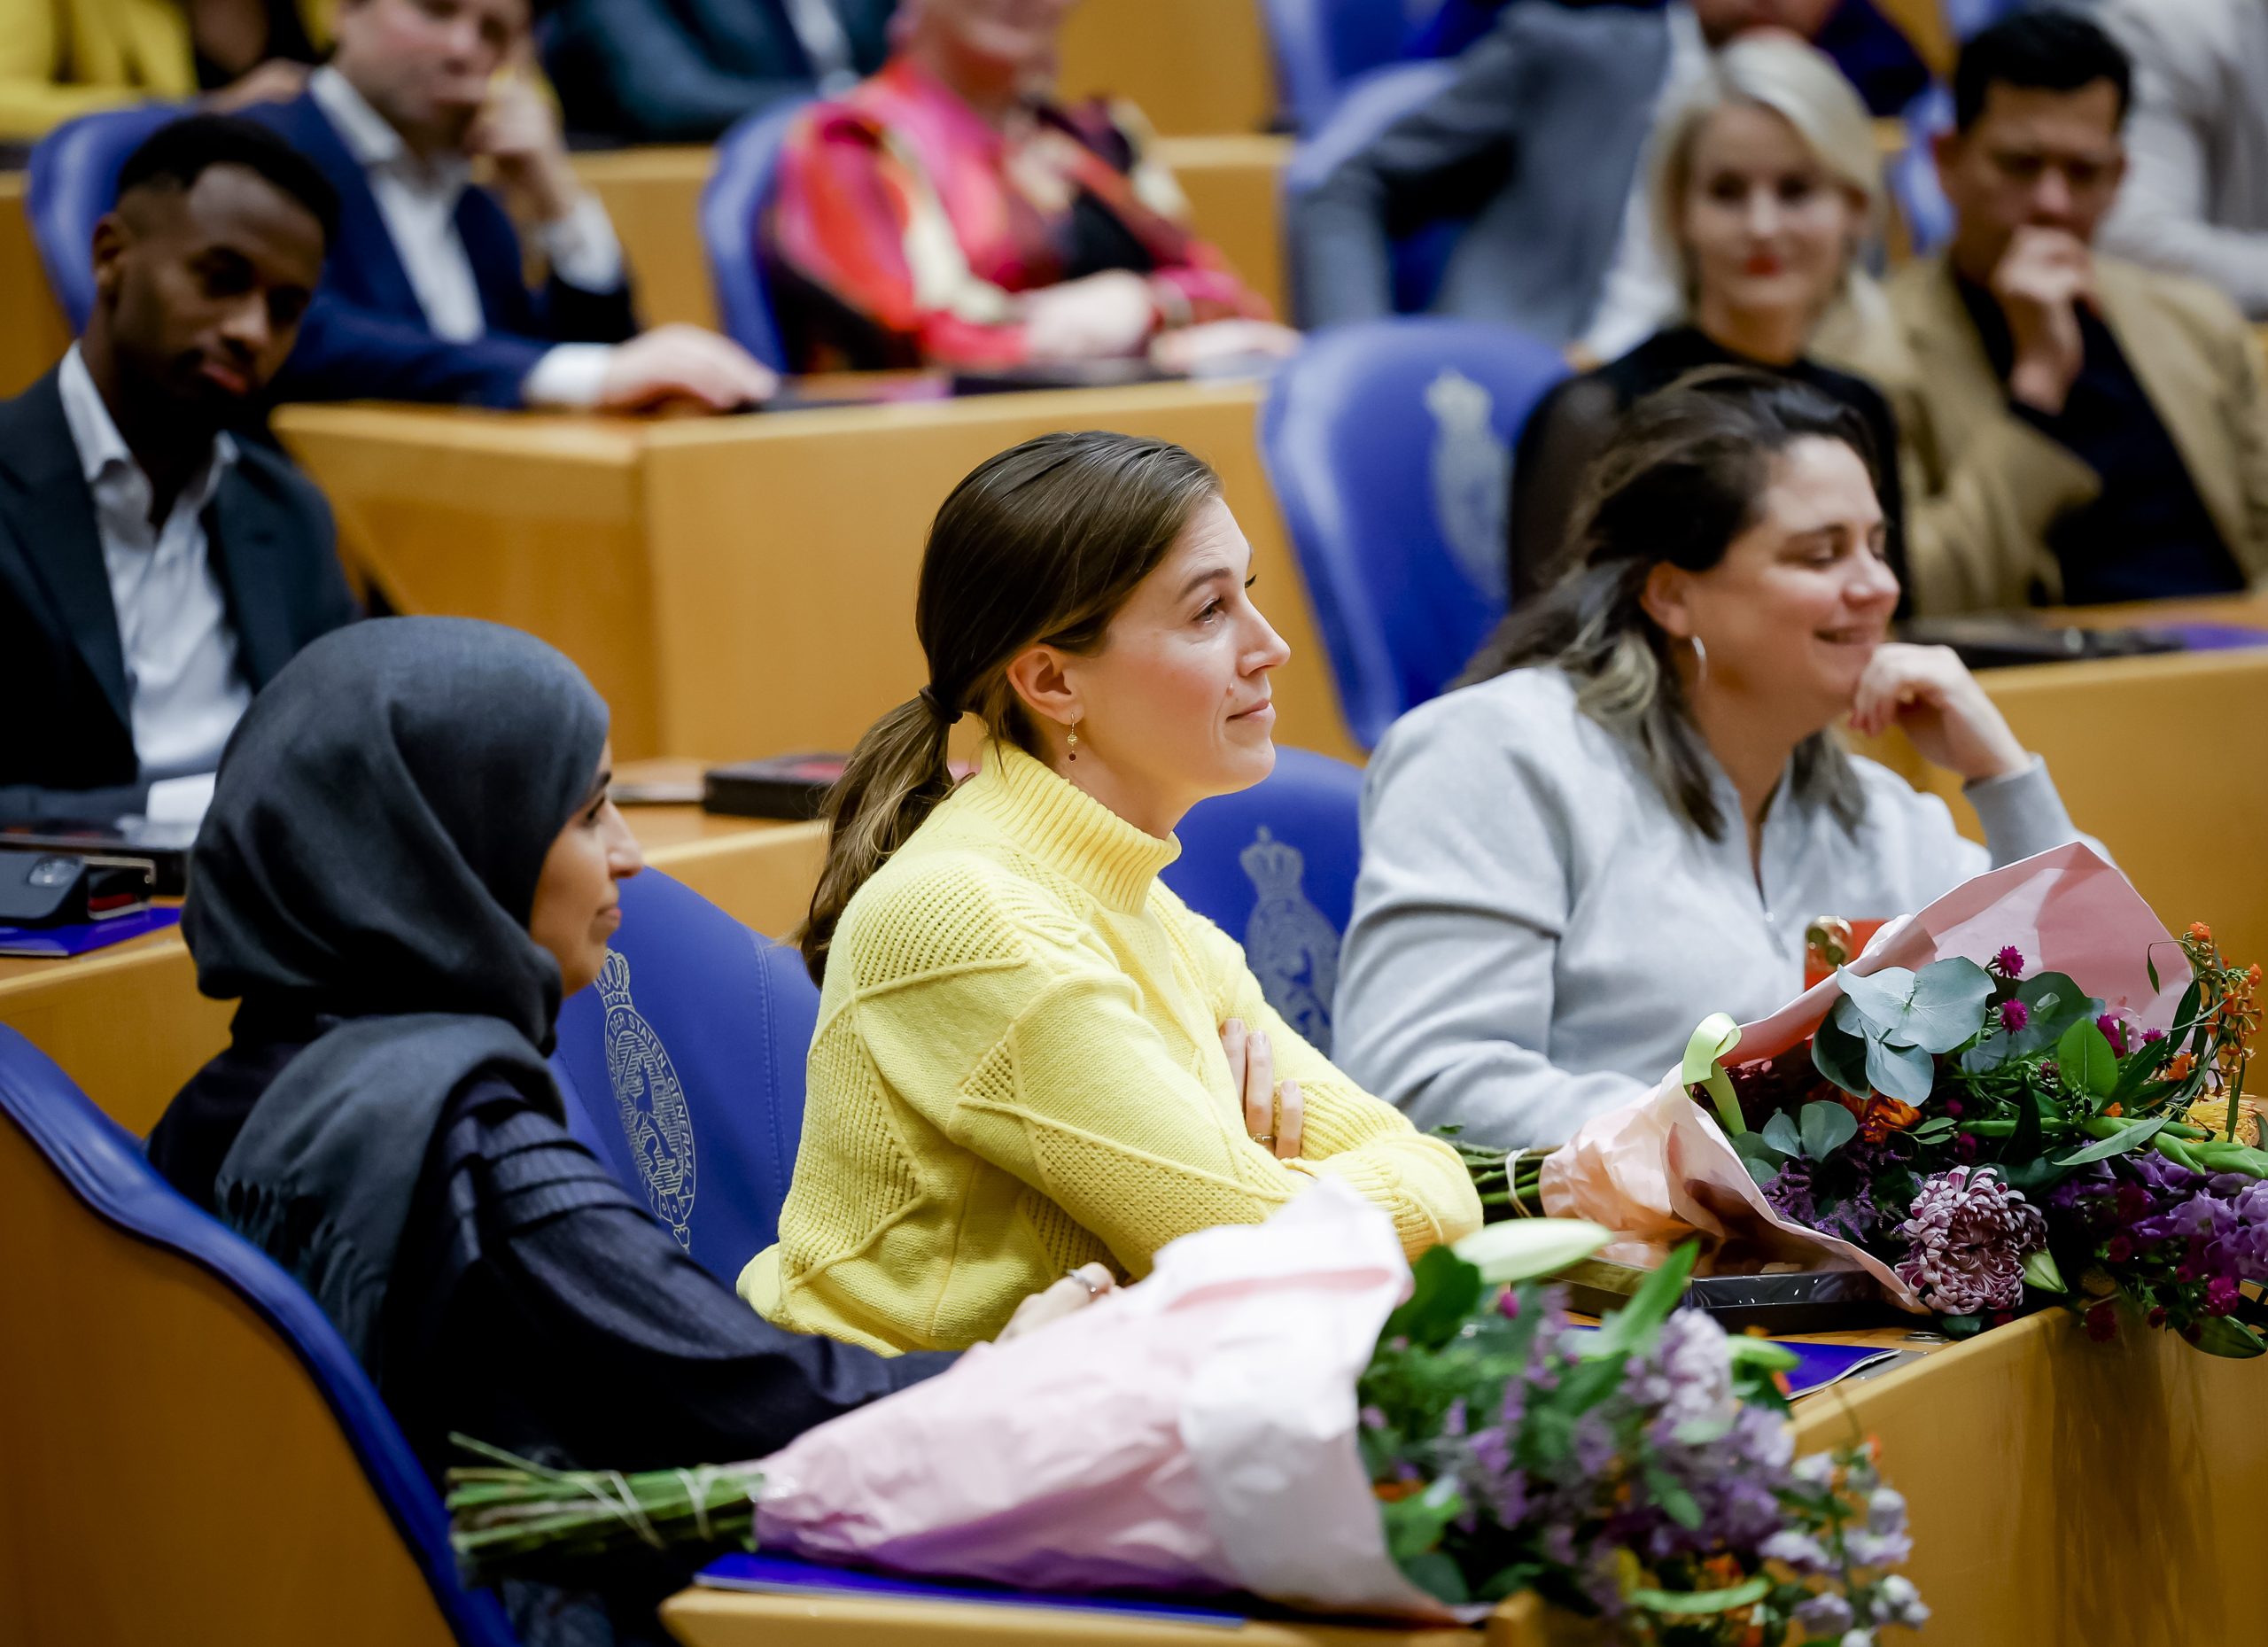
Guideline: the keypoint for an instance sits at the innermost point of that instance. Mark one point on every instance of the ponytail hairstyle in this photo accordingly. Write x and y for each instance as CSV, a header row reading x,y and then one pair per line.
x,y
1683,475
1039,545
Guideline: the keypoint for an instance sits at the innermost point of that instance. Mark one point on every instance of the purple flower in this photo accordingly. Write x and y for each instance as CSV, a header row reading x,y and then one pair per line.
x,y
2220,1295
2113,1031
2010,962
1964,1145
2014,1016
1824,1614
1798,1550
1508,1303
2151,1037
1970,1234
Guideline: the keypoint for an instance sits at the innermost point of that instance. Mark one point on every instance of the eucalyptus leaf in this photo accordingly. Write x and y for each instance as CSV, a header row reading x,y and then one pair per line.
x,y
1906,1073
1521,1249
1780,1132
1838,1049
1762,1161
1937,1008
2083,1053
2117,1144
1826,1128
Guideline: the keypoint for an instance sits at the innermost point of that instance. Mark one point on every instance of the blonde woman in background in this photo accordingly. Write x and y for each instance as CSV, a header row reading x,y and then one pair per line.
x,y
1766,184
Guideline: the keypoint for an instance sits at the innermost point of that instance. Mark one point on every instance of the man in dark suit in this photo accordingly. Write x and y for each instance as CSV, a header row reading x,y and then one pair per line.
x,y
425,296
1536,144
681,71
154,571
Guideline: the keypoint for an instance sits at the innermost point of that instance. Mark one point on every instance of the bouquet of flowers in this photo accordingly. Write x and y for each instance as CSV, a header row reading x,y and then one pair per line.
x,y
1286,1409
1974,1133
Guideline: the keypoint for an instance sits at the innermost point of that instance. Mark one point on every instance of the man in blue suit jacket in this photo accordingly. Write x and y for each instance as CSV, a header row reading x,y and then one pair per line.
x,y
423,296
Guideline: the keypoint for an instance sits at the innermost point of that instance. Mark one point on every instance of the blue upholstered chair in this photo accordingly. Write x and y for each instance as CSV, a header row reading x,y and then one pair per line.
x,y
1369,107
199,1457
1913,173
738,188
1389,445
683,1069
74,180
1321,45
1274,867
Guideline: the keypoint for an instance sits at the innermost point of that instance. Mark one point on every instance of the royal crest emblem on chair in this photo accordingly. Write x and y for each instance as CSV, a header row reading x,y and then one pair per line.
x,y
1471,476
647,1091
1290,944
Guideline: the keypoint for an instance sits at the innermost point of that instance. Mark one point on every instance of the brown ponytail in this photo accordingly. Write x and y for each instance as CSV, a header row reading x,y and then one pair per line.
x,y
1042,543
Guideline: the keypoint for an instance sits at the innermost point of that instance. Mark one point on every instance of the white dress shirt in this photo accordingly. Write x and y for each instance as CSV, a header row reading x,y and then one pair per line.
x,y
186,691
1641,295
417,200
1535,932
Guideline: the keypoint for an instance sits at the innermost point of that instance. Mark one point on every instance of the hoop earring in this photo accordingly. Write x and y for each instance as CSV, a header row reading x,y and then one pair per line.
x,y
1700,656
1073,747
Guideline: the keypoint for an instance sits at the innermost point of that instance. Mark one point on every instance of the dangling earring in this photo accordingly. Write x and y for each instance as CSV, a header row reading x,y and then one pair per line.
x,y
1073,746
1700,655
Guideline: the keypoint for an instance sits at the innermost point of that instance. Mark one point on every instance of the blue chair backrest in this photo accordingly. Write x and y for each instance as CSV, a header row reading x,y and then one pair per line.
x,y
1274,867
1913,173
1389,444
1320,45
683,1068
732,203
1370,104
74,181
119,1338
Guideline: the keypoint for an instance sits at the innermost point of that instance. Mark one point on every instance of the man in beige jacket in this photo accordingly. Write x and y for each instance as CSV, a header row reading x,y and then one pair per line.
x,y
2084,430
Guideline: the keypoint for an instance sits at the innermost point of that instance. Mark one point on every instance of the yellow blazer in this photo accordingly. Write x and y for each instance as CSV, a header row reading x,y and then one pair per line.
x,y
60,58
1984,487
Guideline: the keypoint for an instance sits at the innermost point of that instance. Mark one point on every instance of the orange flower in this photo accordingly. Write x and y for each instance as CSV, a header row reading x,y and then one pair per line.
x,y
2177,1067
1394,1492
2199,932
2115,1110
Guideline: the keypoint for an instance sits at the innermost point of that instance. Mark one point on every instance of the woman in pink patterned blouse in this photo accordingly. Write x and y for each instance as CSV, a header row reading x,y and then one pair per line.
x,y
946,212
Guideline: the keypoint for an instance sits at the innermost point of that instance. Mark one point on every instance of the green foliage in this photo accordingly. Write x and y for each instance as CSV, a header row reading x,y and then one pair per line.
x,y
1936,1009
1443,1290
2125,1139
2083,1054
1839,1048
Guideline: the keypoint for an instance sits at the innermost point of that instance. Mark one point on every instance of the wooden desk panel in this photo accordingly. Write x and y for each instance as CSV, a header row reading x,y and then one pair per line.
x,y
2065,1491
1194,67
129,1027
1235,186
529,520
33,332
653,197
786,548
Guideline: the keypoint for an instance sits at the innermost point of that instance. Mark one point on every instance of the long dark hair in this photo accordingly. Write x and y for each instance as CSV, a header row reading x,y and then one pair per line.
x,y
1042,543
1681,478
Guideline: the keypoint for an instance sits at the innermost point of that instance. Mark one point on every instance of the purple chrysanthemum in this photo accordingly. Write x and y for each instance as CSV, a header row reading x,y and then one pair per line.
x,y
1970,1234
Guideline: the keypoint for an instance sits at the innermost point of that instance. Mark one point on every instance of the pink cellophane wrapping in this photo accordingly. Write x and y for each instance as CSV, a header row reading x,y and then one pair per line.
x,y
1661,1169
1194,1433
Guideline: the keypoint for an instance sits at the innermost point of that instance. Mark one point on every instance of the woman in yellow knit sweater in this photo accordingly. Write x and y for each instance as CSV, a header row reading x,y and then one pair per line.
x,y
1030,1054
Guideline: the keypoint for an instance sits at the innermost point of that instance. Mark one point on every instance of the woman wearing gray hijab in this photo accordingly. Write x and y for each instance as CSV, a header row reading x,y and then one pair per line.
x,y
410,858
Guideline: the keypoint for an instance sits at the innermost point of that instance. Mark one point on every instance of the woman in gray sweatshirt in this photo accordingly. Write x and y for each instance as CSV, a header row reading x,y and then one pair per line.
x,y
1626,816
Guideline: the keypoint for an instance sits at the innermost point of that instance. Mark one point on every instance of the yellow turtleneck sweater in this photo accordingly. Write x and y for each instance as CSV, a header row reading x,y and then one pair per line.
x,y
1018,1069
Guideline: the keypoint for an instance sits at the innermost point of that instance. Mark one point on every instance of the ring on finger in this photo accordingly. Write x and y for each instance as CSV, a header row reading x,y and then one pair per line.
x,y
1080,1275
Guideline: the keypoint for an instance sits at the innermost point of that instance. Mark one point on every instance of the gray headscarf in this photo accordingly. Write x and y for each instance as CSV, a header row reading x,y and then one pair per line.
x,y
371,854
